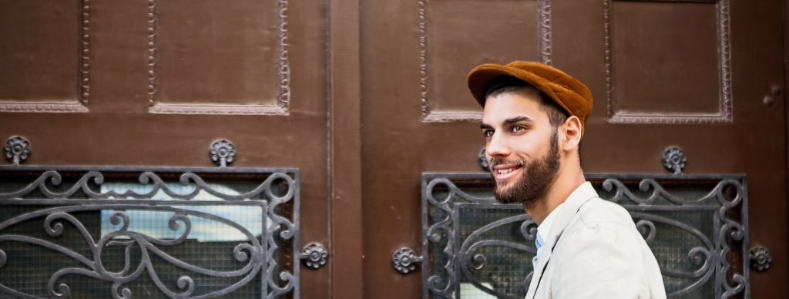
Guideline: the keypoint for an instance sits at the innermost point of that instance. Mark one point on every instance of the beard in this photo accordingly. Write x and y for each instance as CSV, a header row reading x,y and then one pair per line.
x,y
533,183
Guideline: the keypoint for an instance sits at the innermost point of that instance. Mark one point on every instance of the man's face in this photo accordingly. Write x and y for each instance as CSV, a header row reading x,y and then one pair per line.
x,y
521,147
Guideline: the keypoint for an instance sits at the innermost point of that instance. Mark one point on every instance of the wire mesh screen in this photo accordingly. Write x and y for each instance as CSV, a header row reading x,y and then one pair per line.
x,y
686,259
493,257
696,227
26,264
100,235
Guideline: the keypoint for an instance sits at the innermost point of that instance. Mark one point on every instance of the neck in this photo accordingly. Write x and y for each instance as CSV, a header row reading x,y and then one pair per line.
x,y
567,180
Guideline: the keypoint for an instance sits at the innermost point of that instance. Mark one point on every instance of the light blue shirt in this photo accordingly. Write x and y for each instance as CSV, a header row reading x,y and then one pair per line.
x,y
542,232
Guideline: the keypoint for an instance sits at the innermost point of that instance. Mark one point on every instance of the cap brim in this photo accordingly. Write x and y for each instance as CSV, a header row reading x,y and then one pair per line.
x,y
479,77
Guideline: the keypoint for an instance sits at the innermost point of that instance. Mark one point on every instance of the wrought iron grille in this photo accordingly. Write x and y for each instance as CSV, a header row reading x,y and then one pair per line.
x,y
148,232
696,225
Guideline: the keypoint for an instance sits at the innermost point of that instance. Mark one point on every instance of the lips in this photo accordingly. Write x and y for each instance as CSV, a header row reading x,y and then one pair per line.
x,y
505,170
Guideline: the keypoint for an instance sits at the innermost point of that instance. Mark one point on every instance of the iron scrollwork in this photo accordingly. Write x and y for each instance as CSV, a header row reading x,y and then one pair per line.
x,y
706,226
94,268
59,207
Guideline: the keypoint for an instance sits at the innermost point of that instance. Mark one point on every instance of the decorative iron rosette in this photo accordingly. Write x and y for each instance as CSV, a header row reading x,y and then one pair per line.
x,y
674,159
760,258
404,260
16,149
483,160
314,256
222,152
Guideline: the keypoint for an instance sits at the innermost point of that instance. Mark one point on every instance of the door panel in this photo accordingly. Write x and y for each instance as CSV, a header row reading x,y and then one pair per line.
x,y
691,74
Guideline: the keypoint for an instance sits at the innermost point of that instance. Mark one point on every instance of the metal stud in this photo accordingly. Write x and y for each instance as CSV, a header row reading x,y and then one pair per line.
x,y
404,260
222,152
314,256
674,159
16,149
760,258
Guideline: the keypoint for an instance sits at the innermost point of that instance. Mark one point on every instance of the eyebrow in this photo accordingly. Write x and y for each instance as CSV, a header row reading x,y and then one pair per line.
x,y
517,119
508,121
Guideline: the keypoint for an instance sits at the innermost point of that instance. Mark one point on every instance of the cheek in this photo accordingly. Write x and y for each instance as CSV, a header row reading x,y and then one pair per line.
x,y
524,145
530,146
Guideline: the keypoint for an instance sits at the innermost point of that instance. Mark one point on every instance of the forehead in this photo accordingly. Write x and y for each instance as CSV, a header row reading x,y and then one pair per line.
x,y
509,105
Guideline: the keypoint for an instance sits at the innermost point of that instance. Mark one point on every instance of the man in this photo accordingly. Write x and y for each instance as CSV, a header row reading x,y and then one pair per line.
x,y
533,121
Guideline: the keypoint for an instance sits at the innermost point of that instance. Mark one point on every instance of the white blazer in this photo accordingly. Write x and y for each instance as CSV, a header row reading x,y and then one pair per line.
x,y
595,251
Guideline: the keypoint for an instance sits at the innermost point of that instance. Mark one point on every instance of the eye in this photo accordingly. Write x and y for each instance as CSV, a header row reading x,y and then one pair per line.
x,y
516,129
487,133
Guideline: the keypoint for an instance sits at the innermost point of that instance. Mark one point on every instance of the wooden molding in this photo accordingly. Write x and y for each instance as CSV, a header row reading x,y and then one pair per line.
x,y
428,114
78,105
282,107
724,114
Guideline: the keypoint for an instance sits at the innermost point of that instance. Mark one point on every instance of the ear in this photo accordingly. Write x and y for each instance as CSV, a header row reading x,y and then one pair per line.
x,y
572,129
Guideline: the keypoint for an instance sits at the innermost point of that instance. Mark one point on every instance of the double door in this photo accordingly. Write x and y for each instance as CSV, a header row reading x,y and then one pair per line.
x,y
364,97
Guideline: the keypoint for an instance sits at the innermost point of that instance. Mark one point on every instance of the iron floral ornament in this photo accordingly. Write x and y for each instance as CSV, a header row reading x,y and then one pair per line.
x,y
674,159
314,256
760,258
222,152
16,149
404,260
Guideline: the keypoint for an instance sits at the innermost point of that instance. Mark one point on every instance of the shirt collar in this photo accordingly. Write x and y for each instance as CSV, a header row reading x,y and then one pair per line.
x,y
545,227
583,191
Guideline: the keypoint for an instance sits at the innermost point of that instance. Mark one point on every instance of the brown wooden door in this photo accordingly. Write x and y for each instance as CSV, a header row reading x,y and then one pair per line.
x,y
693,74
365,96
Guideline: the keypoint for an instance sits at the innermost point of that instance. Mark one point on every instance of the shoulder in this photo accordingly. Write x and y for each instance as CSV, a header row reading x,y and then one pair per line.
x,y
602,224
597,210
603,235
601,254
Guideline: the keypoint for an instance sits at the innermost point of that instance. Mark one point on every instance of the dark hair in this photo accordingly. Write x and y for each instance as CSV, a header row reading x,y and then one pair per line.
x,y
556,114
504,84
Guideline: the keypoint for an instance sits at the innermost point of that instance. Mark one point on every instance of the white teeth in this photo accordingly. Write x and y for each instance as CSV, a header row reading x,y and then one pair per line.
x,y
505,171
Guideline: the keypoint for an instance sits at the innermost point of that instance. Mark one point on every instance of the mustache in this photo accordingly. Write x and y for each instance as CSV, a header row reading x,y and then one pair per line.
x,y
495,161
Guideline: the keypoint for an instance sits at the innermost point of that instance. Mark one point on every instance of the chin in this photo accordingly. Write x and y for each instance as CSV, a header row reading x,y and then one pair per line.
x,y
510,183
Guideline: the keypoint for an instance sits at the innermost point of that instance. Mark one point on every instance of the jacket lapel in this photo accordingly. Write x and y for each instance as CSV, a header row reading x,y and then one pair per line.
x,y
565,214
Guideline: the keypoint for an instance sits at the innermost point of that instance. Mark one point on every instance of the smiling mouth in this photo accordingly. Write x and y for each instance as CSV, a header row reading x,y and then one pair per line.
x,y
502,169
507,170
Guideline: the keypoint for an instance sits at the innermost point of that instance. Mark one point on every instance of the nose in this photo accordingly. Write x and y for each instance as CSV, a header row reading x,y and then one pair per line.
x,y
497,147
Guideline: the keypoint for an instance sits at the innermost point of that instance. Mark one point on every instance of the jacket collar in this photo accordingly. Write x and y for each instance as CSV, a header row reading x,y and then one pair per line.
x,y
565,213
